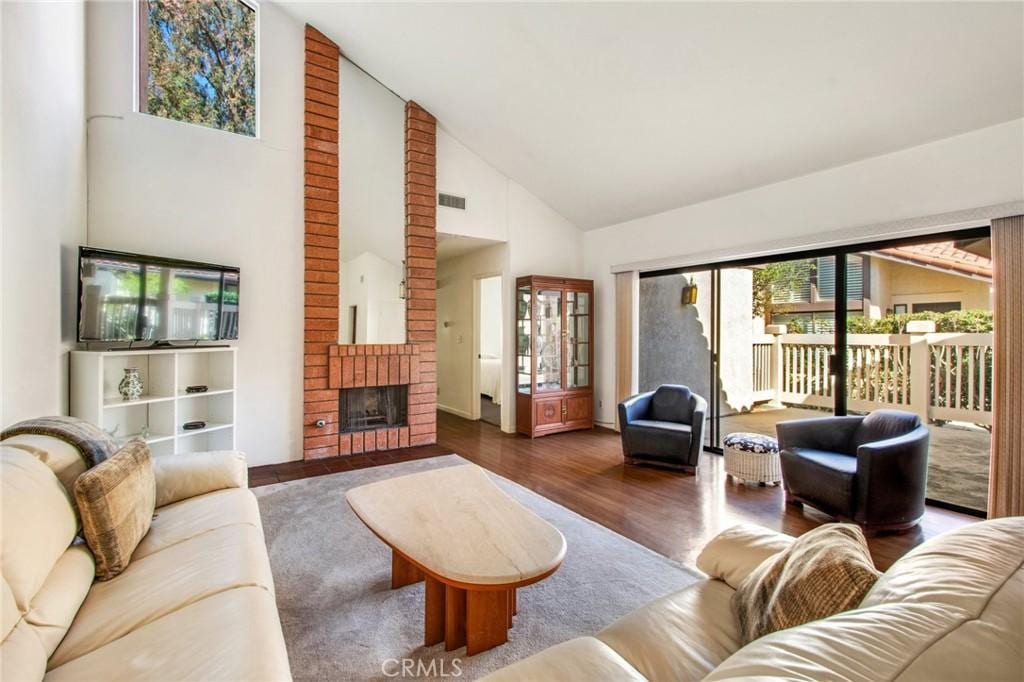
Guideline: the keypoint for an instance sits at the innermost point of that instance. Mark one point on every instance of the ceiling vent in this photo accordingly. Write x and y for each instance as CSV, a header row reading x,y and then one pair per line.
x,y
451,201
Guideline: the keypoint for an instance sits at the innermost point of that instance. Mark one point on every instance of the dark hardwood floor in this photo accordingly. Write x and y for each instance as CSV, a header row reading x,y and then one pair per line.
x,y
672,513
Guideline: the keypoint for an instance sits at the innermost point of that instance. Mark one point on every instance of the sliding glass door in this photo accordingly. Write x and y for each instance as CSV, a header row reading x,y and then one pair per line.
x,y
920,340
676,338
775,344
902,324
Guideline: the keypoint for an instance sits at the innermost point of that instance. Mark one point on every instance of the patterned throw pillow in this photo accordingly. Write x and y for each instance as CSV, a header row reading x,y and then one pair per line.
x,y
116,499
825,571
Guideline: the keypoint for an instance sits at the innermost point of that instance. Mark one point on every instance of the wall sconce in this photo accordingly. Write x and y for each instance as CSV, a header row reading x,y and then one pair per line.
x,y
690,293
401,285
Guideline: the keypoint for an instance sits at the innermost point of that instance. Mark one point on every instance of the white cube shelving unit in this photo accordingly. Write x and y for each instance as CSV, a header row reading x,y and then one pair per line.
x,y
164,405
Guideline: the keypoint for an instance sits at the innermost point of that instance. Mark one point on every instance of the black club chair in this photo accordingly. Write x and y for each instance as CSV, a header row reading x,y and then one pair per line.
x,y
870,470
664,427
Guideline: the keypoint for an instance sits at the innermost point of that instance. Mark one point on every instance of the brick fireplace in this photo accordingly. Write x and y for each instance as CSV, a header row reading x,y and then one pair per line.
x,y
329,367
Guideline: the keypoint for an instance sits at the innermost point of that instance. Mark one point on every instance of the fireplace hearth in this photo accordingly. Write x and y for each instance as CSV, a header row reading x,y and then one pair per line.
x,y
376,407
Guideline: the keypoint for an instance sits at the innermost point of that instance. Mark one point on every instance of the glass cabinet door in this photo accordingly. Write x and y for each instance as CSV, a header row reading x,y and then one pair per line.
x,y
548,341
577,322
524,349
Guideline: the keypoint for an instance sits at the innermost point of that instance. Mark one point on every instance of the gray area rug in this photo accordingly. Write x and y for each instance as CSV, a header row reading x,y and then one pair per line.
x,y
342,620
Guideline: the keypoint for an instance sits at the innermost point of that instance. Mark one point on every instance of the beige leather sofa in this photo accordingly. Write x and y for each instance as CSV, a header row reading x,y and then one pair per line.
x,y
195,603
951,609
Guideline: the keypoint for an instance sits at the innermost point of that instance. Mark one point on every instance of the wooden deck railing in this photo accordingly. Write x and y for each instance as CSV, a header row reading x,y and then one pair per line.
x,y
938,376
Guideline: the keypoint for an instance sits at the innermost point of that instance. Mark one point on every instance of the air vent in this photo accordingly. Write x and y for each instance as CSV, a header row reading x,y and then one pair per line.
x,y
451,201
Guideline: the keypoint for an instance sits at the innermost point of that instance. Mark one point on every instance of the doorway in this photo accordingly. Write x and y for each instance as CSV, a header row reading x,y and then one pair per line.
x,y
489,335
901,324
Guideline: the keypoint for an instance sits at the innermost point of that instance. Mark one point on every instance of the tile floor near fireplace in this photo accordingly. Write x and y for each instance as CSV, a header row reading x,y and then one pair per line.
x,y
373,407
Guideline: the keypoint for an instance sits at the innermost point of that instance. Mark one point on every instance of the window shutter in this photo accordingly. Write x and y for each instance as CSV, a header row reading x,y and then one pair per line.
x,y
854,278
827,279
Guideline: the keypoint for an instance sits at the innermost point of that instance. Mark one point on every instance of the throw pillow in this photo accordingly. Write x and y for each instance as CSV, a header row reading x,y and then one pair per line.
x,y
116,499
825,571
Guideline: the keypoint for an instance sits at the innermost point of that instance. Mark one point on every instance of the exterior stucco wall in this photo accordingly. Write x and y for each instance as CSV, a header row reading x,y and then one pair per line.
x,y
675,340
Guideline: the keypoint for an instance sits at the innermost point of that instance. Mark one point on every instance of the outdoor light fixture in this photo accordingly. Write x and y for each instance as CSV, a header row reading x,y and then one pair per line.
x,y
690,293
401,285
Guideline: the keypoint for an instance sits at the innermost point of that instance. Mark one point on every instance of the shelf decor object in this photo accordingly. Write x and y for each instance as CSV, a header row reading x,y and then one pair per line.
x,y
131,386
554,330
160,402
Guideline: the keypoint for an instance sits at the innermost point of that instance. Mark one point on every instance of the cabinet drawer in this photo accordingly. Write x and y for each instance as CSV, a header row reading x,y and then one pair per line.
x,y
547,412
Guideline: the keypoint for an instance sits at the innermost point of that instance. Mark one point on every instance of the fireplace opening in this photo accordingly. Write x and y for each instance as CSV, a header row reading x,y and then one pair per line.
x,y
377,407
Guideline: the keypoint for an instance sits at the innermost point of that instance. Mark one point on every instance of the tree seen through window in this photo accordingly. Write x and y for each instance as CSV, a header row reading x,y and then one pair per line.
x,y
198,62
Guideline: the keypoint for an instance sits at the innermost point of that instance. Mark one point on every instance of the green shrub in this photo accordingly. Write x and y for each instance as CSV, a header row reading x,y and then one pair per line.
x,y
963,321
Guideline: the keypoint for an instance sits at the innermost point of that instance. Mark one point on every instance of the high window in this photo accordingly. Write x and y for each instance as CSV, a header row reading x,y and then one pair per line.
x,y
197,62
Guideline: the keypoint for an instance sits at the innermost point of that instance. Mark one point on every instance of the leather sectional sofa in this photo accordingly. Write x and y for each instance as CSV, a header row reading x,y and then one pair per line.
x,y
951,609
196,601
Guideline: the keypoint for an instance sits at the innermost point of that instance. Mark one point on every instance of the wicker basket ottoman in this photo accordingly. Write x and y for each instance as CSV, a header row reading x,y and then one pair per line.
x,y
752,458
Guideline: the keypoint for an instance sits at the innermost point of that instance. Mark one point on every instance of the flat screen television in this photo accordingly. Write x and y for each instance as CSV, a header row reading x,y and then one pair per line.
x,y
136,298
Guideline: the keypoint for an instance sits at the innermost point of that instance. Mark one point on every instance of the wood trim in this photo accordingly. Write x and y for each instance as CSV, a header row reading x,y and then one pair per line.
x,y
142,55
1006,473
626,299
538,281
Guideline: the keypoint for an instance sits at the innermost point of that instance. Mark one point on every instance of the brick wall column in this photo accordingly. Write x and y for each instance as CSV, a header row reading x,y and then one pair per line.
x,y
421,267
327,366
321,243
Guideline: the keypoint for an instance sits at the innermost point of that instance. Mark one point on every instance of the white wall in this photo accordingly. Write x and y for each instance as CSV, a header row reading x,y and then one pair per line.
x,y
543,242
162,187
456,355
491,327
977,169
43,202
463,173
539,242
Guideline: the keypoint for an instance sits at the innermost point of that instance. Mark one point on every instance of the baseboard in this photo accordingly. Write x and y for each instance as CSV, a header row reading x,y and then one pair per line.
x,y
454,410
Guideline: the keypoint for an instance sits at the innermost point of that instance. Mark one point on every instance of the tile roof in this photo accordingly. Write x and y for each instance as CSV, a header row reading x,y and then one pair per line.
x,y
943,255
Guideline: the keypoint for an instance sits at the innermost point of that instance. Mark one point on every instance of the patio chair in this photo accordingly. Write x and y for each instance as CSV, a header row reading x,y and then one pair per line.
x,y
663,427
868,470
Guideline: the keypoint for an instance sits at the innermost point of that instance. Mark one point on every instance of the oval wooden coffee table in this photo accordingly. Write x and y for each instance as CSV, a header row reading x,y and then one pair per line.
x,y
472,544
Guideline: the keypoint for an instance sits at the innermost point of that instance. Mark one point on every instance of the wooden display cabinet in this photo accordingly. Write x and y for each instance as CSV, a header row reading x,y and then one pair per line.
x,y
554,331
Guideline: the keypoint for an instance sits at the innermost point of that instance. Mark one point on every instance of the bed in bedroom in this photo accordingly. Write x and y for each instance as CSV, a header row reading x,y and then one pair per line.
x,y
490,378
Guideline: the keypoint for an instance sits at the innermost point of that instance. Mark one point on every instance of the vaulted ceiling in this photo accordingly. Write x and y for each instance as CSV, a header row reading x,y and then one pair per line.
x,y
614,111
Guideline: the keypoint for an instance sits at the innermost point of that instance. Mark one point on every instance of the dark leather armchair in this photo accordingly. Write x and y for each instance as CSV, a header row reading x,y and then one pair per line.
x,y
663,427
869,470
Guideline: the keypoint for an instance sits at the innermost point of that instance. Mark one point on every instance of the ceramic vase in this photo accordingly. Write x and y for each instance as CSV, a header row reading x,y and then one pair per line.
x,y
131,384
